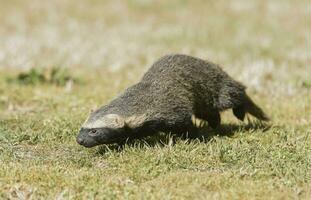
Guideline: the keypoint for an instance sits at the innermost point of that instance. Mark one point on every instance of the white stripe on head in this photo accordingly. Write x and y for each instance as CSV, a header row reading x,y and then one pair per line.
x,y
107,121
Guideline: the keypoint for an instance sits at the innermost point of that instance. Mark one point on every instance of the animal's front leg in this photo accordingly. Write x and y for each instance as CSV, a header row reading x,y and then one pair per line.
x,y
212,117
188,127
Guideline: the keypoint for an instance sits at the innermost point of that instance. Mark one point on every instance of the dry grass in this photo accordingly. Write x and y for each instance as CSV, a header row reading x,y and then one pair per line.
x,y
108,45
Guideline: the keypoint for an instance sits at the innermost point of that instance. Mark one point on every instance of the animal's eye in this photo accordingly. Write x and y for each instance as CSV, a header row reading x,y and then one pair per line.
x,y
93,132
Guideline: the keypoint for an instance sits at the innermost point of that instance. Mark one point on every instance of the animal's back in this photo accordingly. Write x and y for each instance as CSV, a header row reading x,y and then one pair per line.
x,y
183,67
200,80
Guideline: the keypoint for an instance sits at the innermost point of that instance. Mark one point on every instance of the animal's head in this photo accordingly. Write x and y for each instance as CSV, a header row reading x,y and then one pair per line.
x,y
106,129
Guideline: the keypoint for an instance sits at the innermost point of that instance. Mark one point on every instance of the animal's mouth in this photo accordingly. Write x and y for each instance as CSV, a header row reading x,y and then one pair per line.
x,y
89,145
86,143
89,142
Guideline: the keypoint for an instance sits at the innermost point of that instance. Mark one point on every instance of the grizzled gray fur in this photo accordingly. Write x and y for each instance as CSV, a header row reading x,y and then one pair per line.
x,y
174,92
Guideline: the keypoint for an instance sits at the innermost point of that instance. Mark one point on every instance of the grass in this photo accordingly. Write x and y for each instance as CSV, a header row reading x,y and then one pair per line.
x,y
107,46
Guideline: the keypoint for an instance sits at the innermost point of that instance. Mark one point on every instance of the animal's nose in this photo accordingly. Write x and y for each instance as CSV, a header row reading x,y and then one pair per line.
x,y
80,140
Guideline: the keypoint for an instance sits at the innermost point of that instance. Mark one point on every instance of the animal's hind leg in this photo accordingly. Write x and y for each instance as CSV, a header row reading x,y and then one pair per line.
x,y
239,112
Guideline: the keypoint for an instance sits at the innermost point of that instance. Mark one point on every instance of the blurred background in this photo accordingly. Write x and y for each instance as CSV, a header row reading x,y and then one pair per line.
x,y
258,42
61,58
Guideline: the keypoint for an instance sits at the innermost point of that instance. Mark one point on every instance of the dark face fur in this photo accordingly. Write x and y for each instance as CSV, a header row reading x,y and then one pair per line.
x,y
90,137
102,129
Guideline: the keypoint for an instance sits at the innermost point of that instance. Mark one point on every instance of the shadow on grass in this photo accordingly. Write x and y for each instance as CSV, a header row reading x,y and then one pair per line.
x,y
204,136
230,129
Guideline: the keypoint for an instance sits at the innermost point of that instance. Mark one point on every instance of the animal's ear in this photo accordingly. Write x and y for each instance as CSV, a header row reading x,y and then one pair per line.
x,y
94,107
115,121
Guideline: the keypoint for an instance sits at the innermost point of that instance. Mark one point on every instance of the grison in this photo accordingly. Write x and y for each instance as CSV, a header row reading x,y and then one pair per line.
x,y
176,92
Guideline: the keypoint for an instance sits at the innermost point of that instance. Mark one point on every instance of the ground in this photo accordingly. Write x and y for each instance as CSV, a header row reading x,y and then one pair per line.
x,y
105,46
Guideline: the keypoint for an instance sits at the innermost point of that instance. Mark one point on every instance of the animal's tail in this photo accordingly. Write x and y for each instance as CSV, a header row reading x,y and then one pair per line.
x,y
251,108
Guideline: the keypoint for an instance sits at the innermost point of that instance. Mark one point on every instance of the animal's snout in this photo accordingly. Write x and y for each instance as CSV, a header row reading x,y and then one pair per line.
x,y
80,141
85,139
